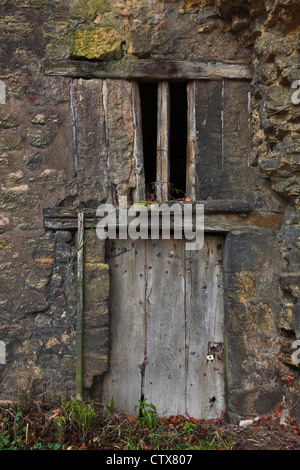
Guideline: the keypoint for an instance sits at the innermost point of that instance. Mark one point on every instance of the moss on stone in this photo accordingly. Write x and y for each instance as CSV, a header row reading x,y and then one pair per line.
x,y
59,39
87,9
97,43
10,141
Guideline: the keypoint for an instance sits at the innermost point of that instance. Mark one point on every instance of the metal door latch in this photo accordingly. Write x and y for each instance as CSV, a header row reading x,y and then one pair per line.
x,y
210,357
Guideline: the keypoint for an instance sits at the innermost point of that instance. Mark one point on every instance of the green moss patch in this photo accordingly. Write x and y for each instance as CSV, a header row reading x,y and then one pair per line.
x,y
97,43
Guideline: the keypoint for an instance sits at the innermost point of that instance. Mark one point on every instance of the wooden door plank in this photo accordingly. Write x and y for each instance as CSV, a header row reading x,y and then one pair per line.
x,y
127,340
205,330
164,384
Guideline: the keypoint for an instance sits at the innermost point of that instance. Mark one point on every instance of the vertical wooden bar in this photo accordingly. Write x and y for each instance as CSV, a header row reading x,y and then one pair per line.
x,y
139,192
191,141
79,378
163,141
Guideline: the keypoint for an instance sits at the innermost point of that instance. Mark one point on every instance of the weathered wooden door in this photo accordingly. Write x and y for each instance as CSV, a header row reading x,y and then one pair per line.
x,y
166,327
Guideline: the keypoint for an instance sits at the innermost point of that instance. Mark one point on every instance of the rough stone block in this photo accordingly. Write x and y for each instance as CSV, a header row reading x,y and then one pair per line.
x,y
63,253
25,223
30,3
40,139
44,262
9,121
294,259
87,8
10,141
240,286
96,282
29,305
248,316
42,246
245,252
290,283
13,201
4,223
93,366
8,283
63,236
36,281
237,352
94,248
33,161
267,400
96,314
97,43
286,319
15,25
296,318
95,341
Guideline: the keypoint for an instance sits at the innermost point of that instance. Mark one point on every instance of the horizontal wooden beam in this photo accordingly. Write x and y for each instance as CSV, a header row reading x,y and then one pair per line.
x,y
152,70
66,219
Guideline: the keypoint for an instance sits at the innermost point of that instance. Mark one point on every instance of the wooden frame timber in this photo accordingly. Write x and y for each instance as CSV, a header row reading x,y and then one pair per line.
x,y
231,214
140,69
163,72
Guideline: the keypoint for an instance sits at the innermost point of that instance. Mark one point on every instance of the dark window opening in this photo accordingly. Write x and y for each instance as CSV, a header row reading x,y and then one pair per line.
x,y
177,134
148,97
178,140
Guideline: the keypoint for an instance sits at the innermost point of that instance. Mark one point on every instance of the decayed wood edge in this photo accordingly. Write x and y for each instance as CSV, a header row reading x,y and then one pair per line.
x,y
151,69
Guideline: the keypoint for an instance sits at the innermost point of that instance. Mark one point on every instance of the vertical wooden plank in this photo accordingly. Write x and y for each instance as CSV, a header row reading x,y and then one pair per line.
x,y
120,132
237,181
205,330
237,135
89,139
163,141
164,384
208,112
139,192
191,141
127,338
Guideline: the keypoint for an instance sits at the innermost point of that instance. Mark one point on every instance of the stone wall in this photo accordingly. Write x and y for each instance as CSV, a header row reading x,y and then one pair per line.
x,y
53,154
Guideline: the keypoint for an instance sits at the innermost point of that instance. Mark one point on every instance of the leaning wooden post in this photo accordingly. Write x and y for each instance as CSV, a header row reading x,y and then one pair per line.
x,y
79,306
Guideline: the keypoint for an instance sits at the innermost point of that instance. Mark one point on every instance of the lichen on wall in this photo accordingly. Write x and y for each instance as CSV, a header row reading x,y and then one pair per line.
x,y
97,43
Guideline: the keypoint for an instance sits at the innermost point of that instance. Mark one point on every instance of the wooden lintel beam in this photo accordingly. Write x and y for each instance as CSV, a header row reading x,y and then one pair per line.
x,y
152,70
66,219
